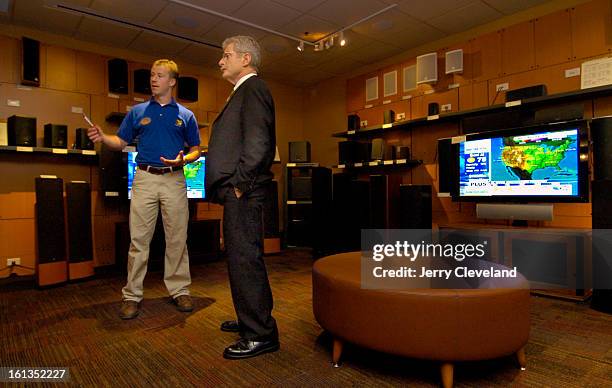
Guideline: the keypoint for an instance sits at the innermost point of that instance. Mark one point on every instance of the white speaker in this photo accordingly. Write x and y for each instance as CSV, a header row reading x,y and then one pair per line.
x,y
372,89
409,76
390,83
427,68
454,61
3,134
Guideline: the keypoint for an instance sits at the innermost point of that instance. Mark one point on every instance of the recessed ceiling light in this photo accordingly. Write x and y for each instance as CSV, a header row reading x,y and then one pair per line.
x,y
185,22
382,25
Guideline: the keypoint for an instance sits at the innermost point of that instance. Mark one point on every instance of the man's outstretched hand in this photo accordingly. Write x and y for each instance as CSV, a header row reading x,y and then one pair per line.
x,y
178,161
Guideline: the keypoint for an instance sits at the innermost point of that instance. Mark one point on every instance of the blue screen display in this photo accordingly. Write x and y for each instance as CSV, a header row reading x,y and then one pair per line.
x,y
537,164
194,176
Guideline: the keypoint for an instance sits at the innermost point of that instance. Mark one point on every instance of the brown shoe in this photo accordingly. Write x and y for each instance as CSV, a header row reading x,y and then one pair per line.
x,y
129,309
183,303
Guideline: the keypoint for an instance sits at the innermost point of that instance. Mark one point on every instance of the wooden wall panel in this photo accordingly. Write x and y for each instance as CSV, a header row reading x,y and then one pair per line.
x,y
591,29
517,51
355,93
9,60
61,68
18,240
207,93
553,39
90,73
602,107
486,56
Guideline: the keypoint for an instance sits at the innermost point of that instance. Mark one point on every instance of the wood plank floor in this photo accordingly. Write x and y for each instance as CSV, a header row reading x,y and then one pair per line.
x,y
76,326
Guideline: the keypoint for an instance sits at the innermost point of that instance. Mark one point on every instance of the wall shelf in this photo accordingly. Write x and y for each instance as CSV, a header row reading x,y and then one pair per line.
x,y
91,155
497,108
396,163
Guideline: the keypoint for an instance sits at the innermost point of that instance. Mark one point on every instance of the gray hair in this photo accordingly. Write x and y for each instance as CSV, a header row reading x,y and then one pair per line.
x,y
245,44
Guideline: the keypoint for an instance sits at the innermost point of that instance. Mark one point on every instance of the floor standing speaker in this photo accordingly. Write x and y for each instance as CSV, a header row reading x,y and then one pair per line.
x,y
321,211
271,219
601,135
415,207
113,173
30,62
51,265
80,246
342,212
118,76
602,245
447,166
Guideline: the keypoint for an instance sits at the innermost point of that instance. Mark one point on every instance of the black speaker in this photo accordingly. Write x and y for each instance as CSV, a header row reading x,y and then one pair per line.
x,y
142,81
56,136
188,89
415,207
51,266
322,234
601,135
347,151
118,76
270,211
447,166
300,184
30,62
401,152
82,141
433,109
524,93
388,117
602,245
344,235
21,131
299,152
379,202
378,149
113,173
78,203
566,112
354,123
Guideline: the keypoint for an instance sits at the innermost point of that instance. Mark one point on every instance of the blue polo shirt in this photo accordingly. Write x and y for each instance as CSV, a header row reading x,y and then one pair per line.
x,y
160,130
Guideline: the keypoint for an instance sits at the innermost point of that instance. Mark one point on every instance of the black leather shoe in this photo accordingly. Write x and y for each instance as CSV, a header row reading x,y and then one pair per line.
x,y
245,348
230,326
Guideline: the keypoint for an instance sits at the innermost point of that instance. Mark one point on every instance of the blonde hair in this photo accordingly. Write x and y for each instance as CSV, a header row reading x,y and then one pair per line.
x,y
170,65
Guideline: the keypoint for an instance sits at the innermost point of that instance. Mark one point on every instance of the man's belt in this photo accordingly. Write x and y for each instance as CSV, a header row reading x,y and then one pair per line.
x,y
159,170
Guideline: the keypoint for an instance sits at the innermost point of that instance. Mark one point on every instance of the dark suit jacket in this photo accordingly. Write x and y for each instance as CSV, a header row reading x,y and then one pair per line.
x,y
243,141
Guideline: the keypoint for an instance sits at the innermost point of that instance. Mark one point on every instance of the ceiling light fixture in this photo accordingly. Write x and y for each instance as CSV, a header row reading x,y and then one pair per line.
x,y
342,39
300,46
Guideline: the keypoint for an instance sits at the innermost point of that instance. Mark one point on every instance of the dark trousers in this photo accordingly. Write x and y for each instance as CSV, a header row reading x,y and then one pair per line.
x,y
251,294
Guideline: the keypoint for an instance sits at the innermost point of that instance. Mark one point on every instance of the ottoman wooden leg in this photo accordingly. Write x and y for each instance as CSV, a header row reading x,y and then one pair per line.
x,y
337,352
520,357
447,374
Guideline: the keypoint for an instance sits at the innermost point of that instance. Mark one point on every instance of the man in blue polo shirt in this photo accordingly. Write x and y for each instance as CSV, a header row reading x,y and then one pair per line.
x,y
162,127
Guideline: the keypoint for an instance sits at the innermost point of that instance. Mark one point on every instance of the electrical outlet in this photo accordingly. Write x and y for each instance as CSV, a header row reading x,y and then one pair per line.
x,y
502,87
13,261
364,123
446,107
400,116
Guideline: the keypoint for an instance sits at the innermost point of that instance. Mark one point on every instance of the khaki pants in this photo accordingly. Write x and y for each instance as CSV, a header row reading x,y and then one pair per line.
x,y
149,192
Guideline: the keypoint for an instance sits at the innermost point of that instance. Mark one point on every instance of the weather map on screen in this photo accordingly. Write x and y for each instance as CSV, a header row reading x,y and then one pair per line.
x,y
538,164
194,176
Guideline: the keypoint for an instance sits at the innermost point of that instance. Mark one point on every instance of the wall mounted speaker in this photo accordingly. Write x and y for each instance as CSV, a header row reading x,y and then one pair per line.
x,y
372,89
21,131
188,89
433,109
353,122
142,81
30,62
409,78
118,76
454,61
56,136
82,141
389,117
427,68
299,152
390,83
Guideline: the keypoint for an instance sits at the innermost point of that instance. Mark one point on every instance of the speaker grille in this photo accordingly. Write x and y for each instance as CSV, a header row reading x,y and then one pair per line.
x,y
409,78
390,83
372,89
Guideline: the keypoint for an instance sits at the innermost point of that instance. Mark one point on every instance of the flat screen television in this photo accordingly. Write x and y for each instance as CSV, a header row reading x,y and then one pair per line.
x,y
194,176
545,163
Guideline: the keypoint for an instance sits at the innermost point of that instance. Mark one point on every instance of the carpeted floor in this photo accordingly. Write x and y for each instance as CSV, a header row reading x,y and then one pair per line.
x,y
77,326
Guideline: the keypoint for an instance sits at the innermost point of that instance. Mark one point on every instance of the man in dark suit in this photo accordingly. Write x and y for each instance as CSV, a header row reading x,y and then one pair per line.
x,y
240,154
